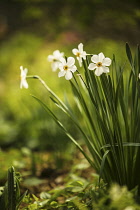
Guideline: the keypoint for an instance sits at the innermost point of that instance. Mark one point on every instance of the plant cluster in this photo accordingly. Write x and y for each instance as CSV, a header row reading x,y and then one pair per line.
x,y
108,102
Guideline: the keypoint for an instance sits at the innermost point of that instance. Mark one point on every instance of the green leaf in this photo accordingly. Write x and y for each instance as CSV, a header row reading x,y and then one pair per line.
x,y
129,55
125,144
45,195
11,189
77,184
103,164
53,204
20,199
64,129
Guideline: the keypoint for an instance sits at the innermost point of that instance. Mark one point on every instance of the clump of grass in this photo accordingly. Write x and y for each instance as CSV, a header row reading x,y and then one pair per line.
x,y
109,107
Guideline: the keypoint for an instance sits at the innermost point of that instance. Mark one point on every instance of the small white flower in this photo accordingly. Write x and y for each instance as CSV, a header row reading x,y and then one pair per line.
x,y
100,64
23,75
55,59
79,53
139,75
67,68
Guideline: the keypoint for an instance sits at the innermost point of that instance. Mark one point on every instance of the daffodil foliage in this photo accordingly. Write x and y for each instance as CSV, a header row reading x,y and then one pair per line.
x,y
107,96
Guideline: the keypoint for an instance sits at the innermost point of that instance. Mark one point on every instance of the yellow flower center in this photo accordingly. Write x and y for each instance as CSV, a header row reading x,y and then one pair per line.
x,y
78,54
99,64
65,68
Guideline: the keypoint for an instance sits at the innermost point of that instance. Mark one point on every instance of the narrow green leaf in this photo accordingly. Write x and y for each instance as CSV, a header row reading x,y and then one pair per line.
x,y
20,199
11,189
129,55
102,165
125,144
64,129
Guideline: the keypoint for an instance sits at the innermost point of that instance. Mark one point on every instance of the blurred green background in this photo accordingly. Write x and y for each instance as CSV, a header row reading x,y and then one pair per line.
x,y
29,32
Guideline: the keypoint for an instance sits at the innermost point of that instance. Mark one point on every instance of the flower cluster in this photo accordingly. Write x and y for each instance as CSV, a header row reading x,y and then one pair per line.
x,y
67,66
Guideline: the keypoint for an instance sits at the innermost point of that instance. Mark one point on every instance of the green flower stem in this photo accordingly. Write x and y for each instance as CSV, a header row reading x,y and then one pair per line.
x,y
82,78
46,86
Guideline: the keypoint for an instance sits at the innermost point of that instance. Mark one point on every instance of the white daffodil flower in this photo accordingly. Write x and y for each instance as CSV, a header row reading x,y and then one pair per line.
x,y
23,75
79,53
67,68
100,64
55,59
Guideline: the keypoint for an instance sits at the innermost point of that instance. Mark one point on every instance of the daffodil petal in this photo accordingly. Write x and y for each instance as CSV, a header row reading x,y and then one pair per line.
x,y
22,74
68,75
70,61
50,58
92,66
105,69
61,54
25,71
61,73
21,68
61,66
63,61
73,68
95,58
23,83
55,66
84,55
106,62
56,53
99,71
101,57
80,61
80,47
75,51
